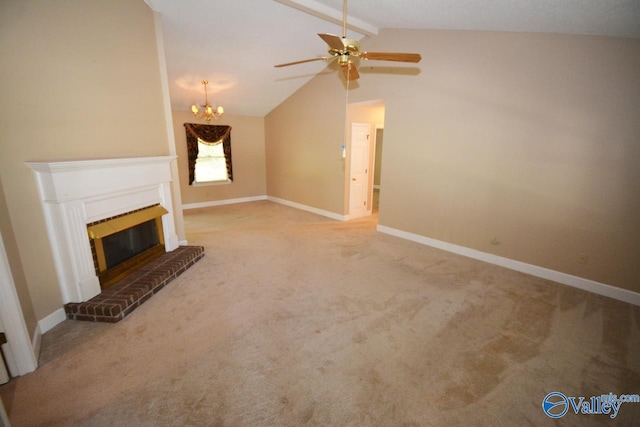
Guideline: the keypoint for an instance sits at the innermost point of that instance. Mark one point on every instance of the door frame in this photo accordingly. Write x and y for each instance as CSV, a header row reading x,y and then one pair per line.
x,y
18,351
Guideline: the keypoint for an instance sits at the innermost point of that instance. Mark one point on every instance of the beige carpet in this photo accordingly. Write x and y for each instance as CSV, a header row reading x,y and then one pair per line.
x,y
294,319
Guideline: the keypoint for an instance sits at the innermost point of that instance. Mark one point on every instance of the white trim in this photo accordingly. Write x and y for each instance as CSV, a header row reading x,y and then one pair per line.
x,y
18,351
36,340
211,183
168,117
222,202
311,209
82,165
317,211
614,292
52,320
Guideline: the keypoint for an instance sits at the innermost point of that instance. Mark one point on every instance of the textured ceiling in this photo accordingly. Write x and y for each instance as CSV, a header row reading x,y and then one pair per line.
x,y
235,43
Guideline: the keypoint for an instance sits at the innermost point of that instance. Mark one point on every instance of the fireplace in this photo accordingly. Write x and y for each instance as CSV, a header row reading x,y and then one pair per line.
x,y
78,196
124,243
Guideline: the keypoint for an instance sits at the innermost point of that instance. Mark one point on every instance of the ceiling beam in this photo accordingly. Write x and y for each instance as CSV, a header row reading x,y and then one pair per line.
x,y
331,15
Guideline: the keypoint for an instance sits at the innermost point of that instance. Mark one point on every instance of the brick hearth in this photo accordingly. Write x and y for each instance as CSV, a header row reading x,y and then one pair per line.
x,y
119,300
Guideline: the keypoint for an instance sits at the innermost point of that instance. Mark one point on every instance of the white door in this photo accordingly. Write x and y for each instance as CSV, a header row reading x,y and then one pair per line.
x,y
359,188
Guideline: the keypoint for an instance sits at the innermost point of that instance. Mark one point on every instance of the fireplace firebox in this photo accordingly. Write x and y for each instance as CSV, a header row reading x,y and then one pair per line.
x,y
123,244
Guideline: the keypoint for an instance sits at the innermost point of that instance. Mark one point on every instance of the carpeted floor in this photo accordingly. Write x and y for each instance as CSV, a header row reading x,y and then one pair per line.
x,y
294,319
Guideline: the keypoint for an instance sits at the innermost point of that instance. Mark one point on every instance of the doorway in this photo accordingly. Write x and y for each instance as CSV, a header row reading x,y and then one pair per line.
x,y
365,124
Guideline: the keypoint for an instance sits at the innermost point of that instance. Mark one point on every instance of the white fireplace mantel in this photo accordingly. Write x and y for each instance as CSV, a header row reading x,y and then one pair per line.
x,y
76,193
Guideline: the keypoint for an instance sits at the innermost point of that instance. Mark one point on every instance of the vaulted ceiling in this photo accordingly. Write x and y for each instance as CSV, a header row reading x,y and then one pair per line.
x,y
234,44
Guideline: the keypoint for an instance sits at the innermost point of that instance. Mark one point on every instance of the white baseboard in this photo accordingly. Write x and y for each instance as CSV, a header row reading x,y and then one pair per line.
x,y
311,209
222,202
52,320
36,341
545,273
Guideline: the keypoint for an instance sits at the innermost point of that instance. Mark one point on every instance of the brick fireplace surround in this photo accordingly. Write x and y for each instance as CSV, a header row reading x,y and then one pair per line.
x,y
119,300
76,193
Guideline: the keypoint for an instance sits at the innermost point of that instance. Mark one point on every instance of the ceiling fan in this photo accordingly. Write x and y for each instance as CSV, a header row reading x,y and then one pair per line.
x,y
345,50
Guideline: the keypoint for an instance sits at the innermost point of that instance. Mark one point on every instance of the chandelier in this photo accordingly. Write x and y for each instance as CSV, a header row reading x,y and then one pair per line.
x,y
206,111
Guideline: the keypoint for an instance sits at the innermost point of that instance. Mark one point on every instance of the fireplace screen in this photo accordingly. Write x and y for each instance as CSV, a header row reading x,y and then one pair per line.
x,y
128,243
123,244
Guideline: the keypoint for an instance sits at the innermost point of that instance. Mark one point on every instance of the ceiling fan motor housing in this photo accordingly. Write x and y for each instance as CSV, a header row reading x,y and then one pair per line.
x,y
351,47
343,49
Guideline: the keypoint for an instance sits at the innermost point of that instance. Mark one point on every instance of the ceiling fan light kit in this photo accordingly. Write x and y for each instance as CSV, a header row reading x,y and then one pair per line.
x,y
206,111
345,49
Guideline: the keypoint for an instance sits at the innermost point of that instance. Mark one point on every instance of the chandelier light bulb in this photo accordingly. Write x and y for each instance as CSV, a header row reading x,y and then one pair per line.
x,y
207,113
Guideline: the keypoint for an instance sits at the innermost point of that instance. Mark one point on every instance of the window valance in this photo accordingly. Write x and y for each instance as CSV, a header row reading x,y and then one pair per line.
x,y
208,134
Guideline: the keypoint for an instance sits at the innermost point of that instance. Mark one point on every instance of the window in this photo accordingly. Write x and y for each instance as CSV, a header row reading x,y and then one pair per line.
x,y
209,154
211,165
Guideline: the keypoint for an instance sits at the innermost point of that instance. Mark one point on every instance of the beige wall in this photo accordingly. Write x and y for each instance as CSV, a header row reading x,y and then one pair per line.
x,y
303,139
80,79
529,138
247,155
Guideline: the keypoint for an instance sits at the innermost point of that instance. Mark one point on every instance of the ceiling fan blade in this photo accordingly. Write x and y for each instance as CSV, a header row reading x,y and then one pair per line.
x,y
334,42
391,56
323,58
350,71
